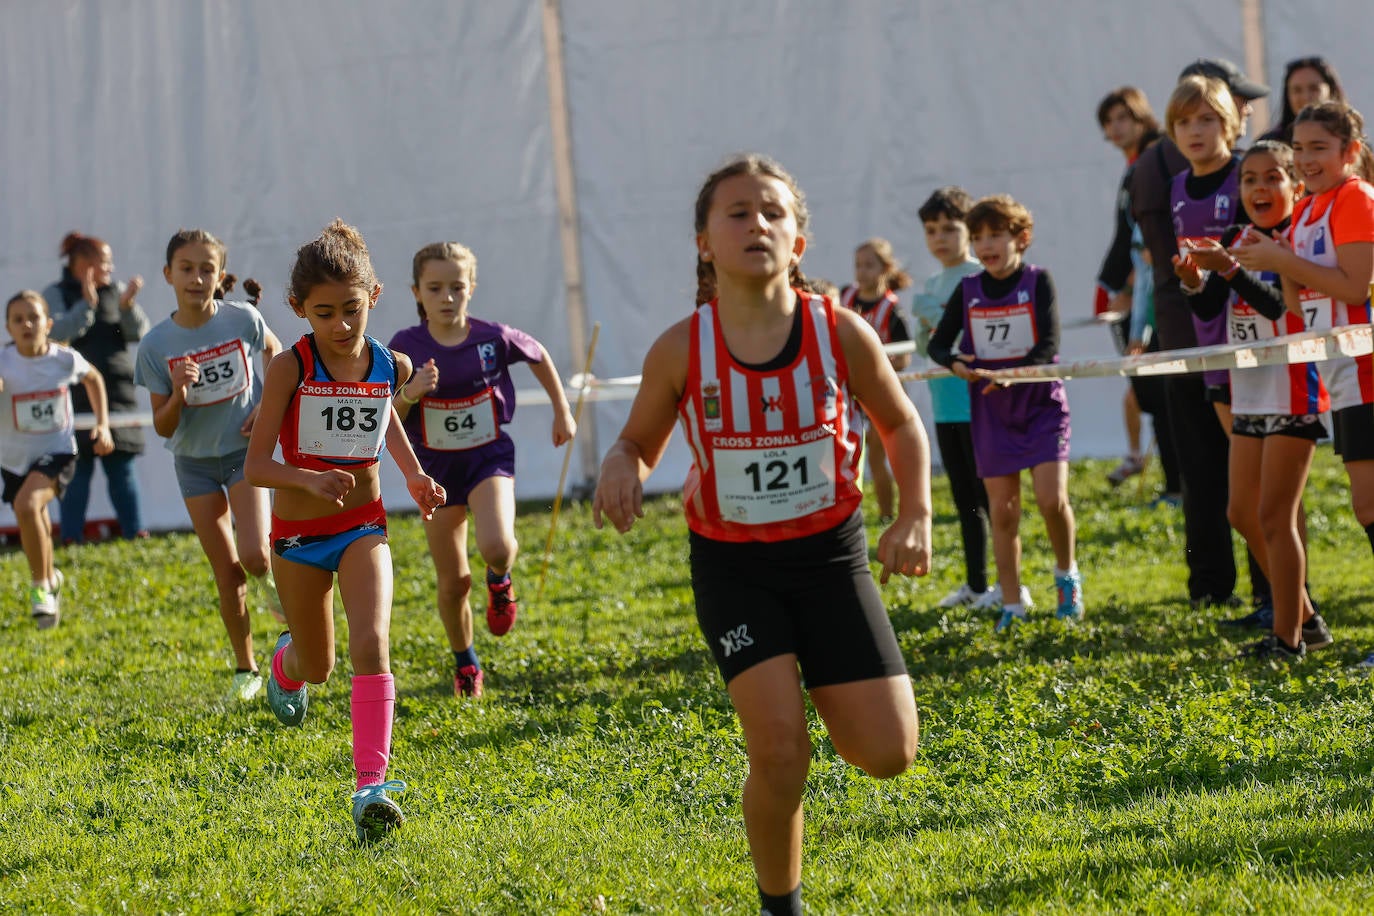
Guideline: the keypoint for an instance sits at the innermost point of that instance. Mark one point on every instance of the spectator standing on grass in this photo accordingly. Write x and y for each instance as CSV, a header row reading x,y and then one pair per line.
x,y
327,402
942,216
455,409
1199,440
1306,81
878,277
1129,124
1003,318
1277,410
99,318
1327,265
762,377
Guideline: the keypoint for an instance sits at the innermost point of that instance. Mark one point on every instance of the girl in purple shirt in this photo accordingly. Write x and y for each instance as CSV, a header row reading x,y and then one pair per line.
x,y
454,409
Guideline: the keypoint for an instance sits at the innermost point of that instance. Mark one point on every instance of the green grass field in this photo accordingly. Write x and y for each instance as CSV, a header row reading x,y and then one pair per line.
x,y
1124,765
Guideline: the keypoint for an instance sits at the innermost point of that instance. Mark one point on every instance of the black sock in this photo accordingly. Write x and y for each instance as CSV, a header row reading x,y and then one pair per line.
x,y
245,670
786,905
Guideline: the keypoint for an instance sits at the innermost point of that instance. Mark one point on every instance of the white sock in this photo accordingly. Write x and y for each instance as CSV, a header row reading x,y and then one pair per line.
x,y
1066,572
1016,608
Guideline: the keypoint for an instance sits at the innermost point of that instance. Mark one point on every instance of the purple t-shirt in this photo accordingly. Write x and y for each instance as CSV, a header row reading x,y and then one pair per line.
x,y
481,362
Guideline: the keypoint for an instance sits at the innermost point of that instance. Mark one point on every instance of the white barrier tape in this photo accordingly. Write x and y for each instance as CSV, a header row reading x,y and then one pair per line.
x,y
1307,347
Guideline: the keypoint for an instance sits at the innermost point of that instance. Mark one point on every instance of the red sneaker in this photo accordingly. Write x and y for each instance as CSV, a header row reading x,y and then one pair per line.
x,y
501,608
468,682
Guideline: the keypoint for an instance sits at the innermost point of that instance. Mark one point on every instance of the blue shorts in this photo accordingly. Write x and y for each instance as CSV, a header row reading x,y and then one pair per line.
x,y
321,542
203,476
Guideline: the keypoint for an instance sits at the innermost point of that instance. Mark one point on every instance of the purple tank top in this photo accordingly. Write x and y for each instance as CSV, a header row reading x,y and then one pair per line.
x,y
1205,218
1000,333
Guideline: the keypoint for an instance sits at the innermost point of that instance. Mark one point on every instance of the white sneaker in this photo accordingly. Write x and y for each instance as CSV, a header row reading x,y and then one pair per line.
x,y
991,599
963,596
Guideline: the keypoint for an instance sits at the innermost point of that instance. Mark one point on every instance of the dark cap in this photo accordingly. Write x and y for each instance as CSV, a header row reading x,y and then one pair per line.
x,y
1228,73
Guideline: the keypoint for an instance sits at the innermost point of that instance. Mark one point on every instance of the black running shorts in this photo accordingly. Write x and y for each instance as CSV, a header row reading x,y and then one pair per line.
x,y
1354,428
812,597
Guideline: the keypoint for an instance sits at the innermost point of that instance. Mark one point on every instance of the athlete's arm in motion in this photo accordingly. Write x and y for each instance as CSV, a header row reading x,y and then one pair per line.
x,y
428,495
260,468
271,346
564,426
94,383
167,407
905,546
628,463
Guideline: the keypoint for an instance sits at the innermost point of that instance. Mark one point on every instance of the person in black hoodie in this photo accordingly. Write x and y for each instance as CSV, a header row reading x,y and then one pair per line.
x,y
99,318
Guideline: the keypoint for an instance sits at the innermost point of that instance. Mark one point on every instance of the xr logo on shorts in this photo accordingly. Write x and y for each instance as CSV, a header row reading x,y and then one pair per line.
x,y
736,639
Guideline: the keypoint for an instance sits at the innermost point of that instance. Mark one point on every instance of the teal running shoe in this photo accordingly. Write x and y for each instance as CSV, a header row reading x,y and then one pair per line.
x,y
1070,593
288,705
1008,620
374,813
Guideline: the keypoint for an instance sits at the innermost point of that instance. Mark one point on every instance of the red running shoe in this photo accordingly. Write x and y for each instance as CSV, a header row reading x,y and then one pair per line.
x,y
468,682
501,607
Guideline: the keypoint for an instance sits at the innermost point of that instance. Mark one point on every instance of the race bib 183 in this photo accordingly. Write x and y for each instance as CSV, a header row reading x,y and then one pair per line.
x,y
343,420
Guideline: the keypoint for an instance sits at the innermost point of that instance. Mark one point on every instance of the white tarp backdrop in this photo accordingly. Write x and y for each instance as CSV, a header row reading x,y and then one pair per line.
x,y
420,120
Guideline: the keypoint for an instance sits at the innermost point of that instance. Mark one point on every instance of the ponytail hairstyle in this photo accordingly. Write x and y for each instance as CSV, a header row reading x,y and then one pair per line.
x,y
443,251
28,295
1346,125
75,245
183,237
226,286
746,164
822,287
339,255
253,289
893,278
1001,212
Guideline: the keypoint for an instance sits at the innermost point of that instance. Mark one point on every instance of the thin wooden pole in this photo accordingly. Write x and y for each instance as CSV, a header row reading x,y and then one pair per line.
x,y
567,459
565,186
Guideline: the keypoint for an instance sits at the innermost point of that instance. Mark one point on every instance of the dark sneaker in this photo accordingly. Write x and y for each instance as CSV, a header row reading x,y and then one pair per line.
x,y
1205,601
501,607
1261,618
374,814
468,682
1316,634
1272,649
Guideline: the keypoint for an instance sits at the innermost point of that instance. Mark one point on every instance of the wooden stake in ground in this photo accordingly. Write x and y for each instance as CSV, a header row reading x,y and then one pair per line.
x,y
567,459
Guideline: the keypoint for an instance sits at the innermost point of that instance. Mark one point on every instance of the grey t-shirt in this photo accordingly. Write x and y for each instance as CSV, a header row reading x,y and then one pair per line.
x,y
229,387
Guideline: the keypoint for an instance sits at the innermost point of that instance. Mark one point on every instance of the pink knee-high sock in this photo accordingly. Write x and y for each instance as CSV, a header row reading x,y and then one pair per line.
x,y
374,700
280,674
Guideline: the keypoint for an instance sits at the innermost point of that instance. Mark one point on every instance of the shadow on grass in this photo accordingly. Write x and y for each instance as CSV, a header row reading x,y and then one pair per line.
x,y
1313,849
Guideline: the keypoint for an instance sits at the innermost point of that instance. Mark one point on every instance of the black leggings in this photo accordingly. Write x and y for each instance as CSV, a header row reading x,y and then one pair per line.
x,y
970,499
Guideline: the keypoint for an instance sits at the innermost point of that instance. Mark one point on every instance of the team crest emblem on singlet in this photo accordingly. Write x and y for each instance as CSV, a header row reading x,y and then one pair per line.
x,y
710,405
1022,296
1319,241
825,391
1222,208
486,352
